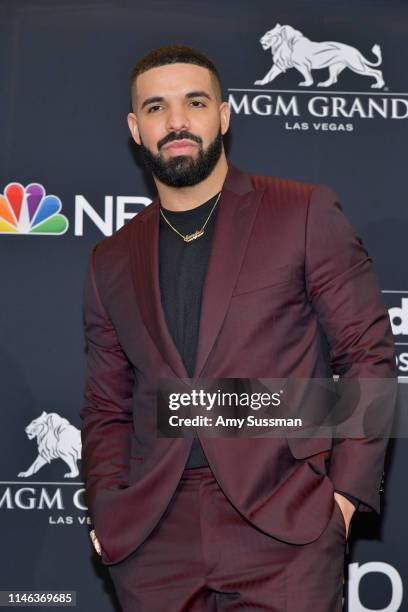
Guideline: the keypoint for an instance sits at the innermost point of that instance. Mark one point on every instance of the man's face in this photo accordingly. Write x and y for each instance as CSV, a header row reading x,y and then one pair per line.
x,y
178,122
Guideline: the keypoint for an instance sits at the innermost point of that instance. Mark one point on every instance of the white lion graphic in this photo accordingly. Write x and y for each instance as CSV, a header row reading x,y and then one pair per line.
x,y
56,439
290,49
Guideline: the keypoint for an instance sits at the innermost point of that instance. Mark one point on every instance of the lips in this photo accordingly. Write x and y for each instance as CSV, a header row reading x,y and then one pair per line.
x,y
179,144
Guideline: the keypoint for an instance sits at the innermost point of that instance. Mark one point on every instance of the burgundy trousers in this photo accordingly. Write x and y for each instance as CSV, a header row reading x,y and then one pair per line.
x,y
203,555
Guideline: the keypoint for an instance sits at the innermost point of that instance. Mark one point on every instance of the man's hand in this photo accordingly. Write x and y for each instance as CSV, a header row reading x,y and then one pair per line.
x,y
346,507
95,542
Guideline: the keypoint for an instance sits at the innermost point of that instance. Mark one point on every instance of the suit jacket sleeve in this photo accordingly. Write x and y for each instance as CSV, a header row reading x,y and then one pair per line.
x,y
107,416
348,302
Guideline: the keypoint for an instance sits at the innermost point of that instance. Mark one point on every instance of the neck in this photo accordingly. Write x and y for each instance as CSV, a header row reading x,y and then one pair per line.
x,y
186,198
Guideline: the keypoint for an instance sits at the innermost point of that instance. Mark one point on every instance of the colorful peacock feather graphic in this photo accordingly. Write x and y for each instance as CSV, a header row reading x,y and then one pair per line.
x,y
29,211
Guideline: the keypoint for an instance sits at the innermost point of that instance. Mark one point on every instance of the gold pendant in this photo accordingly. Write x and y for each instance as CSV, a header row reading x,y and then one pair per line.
x,y
190,237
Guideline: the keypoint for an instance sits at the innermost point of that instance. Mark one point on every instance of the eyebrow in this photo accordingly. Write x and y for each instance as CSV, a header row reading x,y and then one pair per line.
x,y
190,94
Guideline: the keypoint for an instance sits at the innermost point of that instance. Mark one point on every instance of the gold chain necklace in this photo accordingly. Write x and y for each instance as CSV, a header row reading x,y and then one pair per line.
x,y
197,233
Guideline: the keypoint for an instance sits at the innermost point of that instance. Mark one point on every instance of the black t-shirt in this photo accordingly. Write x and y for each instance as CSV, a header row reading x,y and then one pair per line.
x,y
182,270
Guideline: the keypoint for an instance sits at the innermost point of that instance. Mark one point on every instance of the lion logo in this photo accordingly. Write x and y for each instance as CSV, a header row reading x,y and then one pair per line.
x,y
56,439
290,49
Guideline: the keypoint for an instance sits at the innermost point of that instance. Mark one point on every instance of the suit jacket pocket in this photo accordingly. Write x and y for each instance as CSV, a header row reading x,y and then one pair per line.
x,y
306,447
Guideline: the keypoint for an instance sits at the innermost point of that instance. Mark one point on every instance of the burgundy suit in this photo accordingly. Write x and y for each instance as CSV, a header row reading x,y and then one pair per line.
x,y
289,292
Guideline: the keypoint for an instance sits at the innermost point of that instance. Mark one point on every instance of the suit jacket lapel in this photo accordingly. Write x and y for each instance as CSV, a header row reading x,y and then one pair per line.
x,y
231,234
237,210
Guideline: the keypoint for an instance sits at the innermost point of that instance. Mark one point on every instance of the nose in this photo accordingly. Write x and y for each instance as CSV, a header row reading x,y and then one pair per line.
x,y
177,120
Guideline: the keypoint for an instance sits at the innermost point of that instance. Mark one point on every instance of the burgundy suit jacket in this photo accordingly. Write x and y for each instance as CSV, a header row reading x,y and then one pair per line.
x,y
289,292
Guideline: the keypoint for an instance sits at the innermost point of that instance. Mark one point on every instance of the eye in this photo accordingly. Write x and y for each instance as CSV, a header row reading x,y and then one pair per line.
x,y
197,102
153,107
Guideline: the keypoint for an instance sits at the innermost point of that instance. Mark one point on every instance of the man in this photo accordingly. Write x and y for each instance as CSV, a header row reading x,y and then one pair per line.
x,y
224,275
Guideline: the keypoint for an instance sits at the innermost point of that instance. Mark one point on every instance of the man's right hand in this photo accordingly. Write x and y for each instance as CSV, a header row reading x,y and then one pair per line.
x,y
95,542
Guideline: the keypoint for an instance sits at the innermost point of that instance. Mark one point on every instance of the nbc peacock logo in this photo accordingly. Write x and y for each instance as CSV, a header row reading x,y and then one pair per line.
x,y
27,210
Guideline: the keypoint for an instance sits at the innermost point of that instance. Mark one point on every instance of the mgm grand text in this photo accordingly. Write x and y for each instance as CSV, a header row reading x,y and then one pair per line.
x,y
363,107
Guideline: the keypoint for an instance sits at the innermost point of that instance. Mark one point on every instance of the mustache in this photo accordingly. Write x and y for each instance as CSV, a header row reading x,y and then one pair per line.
x,y
180,136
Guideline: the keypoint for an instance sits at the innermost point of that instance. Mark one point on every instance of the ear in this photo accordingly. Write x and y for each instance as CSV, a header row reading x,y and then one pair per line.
x,y
50,421
54,423
225,114
133,127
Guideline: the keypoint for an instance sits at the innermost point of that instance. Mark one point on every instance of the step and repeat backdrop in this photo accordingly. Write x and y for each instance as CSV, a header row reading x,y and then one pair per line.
x,y
70,175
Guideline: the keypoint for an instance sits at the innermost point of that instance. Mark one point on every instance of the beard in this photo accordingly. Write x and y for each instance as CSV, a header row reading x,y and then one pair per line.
x,y
184,170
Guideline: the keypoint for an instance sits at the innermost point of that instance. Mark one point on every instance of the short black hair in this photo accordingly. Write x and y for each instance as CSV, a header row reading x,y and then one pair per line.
x,y
173,54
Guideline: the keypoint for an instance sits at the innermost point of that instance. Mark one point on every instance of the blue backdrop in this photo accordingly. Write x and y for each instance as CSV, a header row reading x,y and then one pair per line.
x,y
64,70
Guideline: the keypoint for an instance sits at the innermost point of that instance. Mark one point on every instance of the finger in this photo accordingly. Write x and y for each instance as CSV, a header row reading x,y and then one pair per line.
x,y
95,542
97,546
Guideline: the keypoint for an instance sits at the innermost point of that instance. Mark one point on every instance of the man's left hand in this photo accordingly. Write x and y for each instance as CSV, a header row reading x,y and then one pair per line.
x,y
346,507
